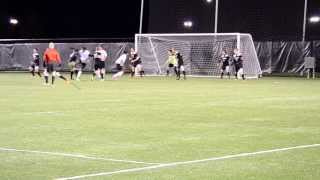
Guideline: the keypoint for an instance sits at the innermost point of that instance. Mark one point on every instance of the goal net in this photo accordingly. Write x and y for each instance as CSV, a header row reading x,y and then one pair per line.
x,y
201,52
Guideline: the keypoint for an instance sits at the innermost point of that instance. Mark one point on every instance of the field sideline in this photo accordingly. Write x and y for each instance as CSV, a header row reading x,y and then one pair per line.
x,y
60,132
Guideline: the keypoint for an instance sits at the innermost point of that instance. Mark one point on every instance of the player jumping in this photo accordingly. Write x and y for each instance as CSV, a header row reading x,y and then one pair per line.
x,y
52,61
172,61
35,63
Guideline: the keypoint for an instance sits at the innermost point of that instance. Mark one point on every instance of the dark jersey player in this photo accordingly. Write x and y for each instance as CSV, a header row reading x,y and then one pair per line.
x,y
35,63
136,64
73,61
225,64
238,63
180,67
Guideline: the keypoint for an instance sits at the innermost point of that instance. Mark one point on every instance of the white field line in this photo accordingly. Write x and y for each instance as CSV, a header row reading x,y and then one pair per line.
x,y
189,162
75,156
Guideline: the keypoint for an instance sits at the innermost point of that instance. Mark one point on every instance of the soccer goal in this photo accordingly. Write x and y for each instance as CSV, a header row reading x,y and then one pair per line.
x,y
201,52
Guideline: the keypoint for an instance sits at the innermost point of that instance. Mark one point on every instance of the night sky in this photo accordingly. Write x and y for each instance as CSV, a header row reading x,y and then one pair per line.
x,y
265,20
70,18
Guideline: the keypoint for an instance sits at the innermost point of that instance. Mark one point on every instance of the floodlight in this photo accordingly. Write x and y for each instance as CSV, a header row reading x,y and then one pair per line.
x,y
315,19
13,21
188,24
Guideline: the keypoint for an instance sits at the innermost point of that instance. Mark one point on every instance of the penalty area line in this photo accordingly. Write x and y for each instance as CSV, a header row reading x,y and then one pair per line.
x,y
79,156
167,165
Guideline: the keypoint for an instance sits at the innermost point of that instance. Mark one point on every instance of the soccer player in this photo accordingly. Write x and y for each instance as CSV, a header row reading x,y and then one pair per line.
x,y
35,63
238,63
73,58
137,65
100,57
132,55
84,58
52,61
120,63
180,67
225,64
172,61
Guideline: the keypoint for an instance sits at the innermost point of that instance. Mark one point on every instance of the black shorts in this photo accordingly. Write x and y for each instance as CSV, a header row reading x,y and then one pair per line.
x,y
52,67
170,65
37,63
99,65
119,68
135,64
224,67
83,65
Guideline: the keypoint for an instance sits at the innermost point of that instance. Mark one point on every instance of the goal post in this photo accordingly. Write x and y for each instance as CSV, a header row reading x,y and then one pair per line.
x,y
201,52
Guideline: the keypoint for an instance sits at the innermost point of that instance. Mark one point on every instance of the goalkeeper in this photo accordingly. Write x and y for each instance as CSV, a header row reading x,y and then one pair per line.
x,y
172,61
52,61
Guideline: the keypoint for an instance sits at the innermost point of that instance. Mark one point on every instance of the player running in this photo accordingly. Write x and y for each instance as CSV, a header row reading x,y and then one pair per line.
x,y
225,64
172,61
180,67
73,60
35,63
84,59
238,63
119,65
100,57
52,61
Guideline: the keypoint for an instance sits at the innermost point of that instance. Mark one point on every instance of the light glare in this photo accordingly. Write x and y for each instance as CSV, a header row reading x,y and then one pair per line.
x,y
315,19
188,24
13,21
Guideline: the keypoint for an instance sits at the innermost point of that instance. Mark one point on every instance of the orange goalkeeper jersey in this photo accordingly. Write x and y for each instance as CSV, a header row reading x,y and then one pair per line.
x,y
52,56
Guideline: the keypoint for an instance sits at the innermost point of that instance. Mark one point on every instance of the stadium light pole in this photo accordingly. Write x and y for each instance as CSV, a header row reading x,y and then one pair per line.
x,y
141,16
305,20
216,17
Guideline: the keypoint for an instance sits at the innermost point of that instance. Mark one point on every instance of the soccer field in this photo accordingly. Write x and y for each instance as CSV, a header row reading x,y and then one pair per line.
x,y
157,128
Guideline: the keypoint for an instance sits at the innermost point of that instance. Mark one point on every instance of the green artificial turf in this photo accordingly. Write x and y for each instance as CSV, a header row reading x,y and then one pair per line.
x,y
160,120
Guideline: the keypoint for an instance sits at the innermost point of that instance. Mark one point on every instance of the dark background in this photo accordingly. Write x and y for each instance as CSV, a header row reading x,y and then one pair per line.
x,y
70,18
265,20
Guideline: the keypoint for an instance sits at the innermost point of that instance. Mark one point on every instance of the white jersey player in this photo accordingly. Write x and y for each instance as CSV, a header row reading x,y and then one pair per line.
x,y
120,64
84,59
100,57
